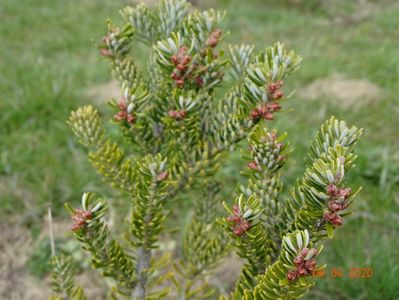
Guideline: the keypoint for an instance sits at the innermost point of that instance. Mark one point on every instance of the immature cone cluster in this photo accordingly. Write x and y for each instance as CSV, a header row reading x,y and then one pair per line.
x,y
266,110
177,114
80,218
125,113
181,61
304,264
336,203
241,225
213,40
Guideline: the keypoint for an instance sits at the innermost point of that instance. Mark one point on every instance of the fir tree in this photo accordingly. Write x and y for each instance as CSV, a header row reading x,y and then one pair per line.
x,y
179,126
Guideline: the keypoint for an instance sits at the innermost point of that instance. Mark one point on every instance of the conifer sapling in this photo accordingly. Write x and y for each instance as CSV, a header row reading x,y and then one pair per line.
x,y
179,126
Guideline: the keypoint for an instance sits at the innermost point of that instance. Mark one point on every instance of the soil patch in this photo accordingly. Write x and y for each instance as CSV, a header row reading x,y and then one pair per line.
x,y
345,92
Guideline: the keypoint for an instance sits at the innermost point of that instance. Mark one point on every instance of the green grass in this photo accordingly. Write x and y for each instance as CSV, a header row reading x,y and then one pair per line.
x,y
49,60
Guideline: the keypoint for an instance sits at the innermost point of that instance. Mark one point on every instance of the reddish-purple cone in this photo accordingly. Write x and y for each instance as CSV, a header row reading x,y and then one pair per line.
x,y
304,264
80,218
241,225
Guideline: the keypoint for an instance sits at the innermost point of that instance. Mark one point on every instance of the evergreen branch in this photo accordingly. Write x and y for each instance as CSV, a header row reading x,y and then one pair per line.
x,y
171,15
200,161
105,155
110,163
170,113
144,21
320,196
257,98
249,238
199,26
240,59
266,156
203,246
147,218
86,125
95,237
117,43
290,276
62,280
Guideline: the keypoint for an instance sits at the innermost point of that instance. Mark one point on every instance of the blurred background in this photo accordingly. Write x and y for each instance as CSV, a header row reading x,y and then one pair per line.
x,y
49,66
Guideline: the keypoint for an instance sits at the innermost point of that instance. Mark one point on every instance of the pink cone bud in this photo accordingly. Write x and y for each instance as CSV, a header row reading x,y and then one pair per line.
x,y
332,190
230,219
268,116
199,80
279,83
310,264
252,165
238,231
278,95
237,219
131,119
106,39
344,193
272,87
255,114
236,210
181,67
273,106
80,218
245,225
304,252
162,176
298,260
337,221
180,83
302,271
292,275
329,216
334,206
105,52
